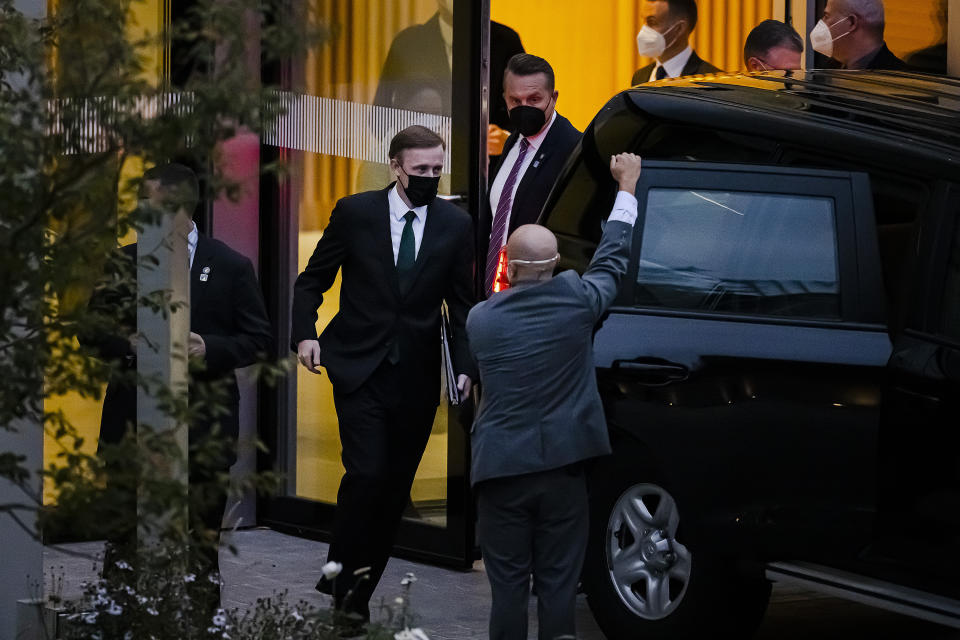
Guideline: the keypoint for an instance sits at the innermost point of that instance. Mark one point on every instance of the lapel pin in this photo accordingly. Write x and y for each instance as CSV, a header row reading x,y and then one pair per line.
x,y
205,275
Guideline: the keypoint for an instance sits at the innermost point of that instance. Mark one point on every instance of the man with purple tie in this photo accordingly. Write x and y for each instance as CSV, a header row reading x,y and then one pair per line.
x,y
531,161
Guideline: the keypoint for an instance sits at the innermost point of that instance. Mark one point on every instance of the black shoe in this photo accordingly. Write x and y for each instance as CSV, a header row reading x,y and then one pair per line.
x,y
325,586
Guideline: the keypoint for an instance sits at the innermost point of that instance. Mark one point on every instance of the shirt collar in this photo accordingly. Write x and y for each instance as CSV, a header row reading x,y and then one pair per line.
x,y
398,208
193,236
536,140
675,65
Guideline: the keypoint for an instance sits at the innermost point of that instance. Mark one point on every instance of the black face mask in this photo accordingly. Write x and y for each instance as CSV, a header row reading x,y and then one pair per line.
x,y
527,120
421,190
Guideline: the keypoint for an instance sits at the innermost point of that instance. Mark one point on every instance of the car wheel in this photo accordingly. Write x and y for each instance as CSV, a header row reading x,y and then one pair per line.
x,y
647,573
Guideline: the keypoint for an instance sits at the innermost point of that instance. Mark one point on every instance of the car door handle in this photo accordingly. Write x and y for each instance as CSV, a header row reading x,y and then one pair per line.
x,y
653,372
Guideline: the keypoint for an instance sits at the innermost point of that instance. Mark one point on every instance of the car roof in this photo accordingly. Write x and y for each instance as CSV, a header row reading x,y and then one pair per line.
x,y
920,108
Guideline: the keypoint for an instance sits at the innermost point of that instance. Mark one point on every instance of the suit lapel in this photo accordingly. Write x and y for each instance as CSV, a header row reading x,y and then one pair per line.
x,y
383,241
693,65
202,274
536,165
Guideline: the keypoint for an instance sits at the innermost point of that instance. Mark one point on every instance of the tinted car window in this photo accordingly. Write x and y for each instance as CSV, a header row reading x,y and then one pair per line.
x,y
738,252
950,323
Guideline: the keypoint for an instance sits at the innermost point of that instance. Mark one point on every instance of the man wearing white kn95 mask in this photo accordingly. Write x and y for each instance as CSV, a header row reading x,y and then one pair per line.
x,y
665,35
850,33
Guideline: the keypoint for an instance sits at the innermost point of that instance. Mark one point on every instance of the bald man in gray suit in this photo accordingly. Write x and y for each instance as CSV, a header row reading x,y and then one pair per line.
x,y
540,416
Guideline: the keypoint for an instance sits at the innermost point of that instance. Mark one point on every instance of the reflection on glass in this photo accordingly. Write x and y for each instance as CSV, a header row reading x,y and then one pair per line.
x,y
386,66
739,253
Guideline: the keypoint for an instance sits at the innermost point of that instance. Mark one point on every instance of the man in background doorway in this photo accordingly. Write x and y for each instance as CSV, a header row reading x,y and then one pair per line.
x,y
851,35
665,37
229,329
773,45
532,158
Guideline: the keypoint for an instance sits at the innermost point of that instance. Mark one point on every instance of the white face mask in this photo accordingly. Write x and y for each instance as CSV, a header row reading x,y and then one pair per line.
x,y
650,42
821,38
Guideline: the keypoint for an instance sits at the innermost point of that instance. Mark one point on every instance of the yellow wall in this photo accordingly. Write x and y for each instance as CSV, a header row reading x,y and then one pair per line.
x,y
146,19
915,25
592,45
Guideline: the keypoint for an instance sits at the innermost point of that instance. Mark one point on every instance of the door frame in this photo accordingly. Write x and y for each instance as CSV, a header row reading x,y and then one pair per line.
x,y
453,545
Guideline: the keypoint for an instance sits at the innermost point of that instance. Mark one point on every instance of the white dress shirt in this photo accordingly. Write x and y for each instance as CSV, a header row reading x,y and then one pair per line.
x,y
398,209
624,209
192,238
674,65
496,190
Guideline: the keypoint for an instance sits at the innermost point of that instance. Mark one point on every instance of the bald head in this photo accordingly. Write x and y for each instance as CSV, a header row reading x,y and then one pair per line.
x,y
531,254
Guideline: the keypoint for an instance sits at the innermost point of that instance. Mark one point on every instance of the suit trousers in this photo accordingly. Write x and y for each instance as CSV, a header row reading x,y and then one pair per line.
x,y
535,523
208,499
384,428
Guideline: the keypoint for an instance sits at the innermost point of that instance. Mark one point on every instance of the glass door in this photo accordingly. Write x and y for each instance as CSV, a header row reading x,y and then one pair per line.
x,y
383,65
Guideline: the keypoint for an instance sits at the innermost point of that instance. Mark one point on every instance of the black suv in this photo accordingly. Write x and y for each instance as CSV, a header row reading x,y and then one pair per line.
x,y
781,371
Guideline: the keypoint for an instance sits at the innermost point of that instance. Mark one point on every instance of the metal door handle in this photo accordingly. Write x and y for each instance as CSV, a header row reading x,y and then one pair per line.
x,y
656,372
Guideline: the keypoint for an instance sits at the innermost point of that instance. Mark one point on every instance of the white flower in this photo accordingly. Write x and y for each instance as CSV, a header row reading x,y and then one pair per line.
x,y
114,609
331,570
296,615
408,579
190,577
90,618
411,634
152,611
120,564
220,619
214,578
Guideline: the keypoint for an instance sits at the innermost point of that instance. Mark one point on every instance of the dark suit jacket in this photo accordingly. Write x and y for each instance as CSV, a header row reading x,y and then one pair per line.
x,y
226,310
416,61
694,66
536,183
886,60
374,313
540,407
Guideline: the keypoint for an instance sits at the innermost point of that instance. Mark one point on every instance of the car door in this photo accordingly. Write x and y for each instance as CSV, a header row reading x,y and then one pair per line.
x,y
918,537
747,350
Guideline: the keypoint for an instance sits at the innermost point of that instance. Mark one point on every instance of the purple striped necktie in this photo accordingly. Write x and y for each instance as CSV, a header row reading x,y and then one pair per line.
x,y
500,219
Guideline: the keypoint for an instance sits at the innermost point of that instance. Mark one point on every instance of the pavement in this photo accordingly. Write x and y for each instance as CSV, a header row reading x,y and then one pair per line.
x,y
453,605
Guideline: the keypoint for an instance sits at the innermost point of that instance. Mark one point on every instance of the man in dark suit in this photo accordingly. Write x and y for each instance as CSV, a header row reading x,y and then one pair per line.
x,y
418,73
229,329
541,416
665,37
532,158
403,252
851,35
423,54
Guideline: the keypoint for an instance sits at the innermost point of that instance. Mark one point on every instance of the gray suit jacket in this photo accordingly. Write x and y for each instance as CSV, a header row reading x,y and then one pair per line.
x,y
533,343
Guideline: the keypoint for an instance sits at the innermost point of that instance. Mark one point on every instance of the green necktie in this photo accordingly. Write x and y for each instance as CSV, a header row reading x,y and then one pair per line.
x,y
406,256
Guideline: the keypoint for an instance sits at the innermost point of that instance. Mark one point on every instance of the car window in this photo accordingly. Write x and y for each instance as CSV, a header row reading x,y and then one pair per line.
x,y
739,252
898,200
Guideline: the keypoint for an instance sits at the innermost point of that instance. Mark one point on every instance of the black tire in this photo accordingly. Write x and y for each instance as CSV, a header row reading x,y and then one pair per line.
x,y
718,599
